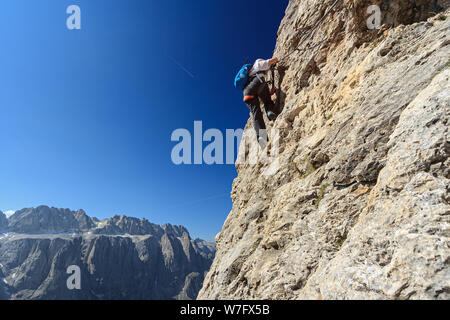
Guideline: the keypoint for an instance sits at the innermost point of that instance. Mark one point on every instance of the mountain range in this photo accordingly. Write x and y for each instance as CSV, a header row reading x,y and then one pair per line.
x,y
118,258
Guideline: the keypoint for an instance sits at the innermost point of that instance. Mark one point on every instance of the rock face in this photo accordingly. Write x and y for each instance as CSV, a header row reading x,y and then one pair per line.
x,y
119,258
359,206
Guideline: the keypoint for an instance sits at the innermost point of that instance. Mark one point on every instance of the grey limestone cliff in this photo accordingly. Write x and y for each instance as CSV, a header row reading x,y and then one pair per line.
x,y
359,206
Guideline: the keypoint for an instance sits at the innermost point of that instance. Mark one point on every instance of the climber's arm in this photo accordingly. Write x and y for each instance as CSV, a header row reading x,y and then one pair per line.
x,y
273,61
264,65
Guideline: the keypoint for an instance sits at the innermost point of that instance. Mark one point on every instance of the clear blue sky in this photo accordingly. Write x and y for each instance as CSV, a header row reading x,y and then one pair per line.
x,y
86,115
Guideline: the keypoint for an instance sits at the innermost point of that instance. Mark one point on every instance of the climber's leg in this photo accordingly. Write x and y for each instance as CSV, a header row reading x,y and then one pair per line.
x,y
258,120
269,105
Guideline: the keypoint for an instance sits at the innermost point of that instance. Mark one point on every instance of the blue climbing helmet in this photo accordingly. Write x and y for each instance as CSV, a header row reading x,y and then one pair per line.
x,y
242,77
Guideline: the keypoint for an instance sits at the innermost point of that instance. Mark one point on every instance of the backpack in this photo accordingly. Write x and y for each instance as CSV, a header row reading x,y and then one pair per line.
x,y
242,77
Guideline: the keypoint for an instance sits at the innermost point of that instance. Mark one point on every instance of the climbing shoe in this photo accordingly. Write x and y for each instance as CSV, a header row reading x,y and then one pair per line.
x,y
272,116
262,142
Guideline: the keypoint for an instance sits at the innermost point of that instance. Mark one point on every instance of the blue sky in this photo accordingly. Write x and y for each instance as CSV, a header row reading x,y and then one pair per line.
x,y
86,115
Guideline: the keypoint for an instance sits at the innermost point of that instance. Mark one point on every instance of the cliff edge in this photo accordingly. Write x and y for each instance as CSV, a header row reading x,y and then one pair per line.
x,y
359,207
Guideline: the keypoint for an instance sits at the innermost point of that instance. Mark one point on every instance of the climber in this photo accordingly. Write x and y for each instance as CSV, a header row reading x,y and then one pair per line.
x,y
254,88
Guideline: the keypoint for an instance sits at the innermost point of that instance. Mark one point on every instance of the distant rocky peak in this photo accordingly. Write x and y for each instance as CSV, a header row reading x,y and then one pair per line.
x,y
120,224
44,219
3,221
81,212
177,231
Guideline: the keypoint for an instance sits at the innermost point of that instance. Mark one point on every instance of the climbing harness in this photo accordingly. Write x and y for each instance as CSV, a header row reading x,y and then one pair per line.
x,y
272,80
248,98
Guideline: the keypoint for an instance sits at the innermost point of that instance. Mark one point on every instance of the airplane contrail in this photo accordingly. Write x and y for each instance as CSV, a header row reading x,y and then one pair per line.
x,y
182,67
